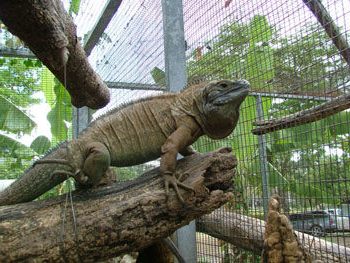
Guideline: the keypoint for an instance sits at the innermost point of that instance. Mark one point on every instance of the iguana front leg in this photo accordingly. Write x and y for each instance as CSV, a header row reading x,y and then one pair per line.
x,y
175,143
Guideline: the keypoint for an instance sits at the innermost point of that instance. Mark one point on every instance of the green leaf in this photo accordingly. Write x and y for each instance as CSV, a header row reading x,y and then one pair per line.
x,y
14,119
46,85
61,113
41,144
14,148
28,63
74,6
339,123
158,76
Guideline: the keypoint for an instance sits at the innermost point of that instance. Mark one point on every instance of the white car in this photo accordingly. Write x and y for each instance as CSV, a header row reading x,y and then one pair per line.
x,y
342,220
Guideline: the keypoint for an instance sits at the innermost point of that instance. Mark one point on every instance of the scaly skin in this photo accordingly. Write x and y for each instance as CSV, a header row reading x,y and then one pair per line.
x,y
160,126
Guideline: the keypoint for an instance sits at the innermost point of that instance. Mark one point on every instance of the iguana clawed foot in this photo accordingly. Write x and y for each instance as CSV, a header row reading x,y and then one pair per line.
x,y
171,180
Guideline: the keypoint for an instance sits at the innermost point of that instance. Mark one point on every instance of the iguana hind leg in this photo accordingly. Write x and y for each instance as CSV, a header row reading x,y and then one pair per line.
x,y
96,163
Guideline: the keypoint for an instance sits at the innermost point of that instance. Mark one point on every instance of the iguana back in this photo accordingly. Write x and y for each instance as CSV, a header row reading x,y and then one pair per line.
x,y
135,132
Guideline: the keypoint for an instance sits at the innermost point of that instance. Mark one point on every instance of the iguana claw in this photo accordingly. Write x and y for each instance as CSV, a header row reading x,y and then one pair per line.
x,y
170,179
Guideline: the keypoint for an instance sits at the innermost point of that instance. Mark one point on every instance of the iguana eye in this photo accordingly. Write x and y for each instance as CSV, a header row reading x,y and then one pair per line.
x,y
223,85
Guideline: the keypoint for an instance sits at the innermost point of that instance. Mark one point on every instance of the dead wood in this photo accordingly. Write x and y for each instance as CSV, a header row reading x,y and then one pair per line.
x,y
50,33
115,219
281,244
248,233
305,116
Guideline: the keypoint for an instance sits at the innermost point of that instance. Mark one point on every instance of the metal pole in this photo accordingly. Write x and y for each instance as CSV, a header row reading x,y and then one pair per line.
x,y
174,45
176,78
81,119
263,158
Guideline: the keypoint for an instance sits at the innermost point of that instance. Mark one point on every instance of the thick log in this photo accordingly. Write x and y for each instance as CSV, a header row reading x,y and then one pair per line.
x,y
248,233
319,112
50,33
115,219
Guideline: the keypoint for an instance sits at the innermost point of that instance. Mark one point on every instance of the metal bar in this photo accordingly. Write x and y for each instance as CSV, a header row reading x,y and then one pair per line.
x,y
176,79
291,96
186,242
263,157
81,119
174,45
134,86
145,86
18,53
102,23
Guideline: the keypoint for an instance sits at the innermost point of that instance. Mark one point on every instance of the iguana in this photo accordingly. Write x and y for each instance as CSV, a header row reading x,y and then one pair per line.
x,y
134,133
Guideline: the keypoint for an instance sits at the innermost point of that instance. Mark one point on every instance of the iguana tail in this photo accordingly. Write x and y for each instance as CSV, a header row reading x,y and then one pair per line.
x,y
39,178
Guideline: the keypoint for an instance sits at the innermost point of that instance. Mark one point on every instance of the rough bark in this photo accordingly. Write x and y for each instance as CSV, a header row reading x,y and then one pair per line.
x,y
50,33
305,116
115,219
280,242
248,233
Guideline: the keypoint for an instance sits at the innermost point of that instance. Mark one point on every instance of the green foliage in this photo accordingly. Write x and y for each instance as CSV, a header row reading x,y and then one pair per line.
x,y
41,144
19,80
58,98
129,173
260,68
158,76
14,157
74,6
13,119
61,114
303,62
12,147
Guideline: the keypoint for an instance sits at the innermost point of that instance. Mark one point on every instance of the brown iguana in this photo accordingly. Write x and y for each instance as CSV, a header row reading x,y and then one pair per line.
x,y
159,126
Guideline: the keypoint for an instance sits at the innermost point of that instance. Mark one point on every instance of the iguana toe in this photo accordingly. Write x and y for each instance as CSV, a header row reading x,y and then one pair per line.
x,y
171,180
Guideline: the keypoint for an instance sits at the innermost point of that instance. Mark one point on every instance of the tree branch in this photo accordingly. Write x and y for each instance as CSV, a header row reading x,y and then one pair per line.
x,y
325,19
305,116
115,219
248,233
50,33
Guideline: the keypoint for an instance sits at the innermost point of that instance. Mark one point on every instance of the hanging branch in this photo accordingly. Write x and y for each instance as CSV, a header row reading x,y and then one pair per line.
x,y
325,19
305,116
50,33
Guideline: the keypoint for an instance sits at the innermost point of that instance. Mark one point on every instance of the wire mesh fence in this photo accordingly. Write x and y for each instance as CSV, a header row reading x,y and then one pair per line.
x,y
293,61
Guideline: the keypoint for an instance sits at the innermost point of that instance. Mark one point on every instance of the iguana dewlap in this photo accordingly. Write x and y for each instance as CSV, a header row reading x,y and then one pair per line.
x,y
160,126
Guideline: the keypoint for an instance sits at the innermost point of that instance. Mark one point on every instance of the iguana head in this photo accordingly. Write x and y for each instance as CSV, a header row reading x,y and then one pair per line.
x,y
218,104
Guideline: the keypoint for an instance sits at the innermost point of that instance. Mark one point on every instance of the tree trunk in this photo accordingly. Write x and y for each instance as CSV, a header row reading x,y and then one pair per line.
x,y
248,233
50,33
102,223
